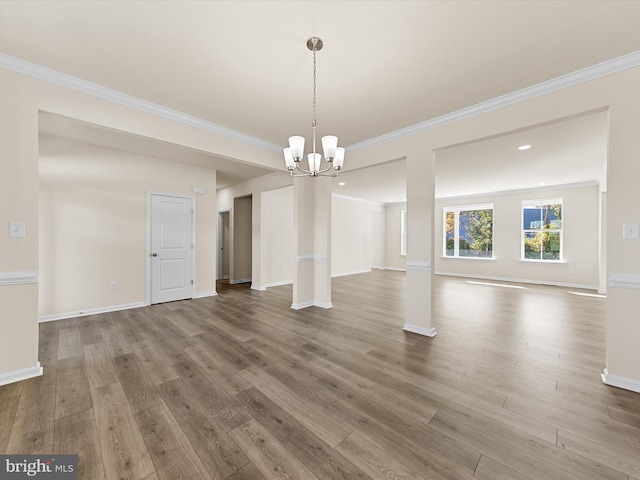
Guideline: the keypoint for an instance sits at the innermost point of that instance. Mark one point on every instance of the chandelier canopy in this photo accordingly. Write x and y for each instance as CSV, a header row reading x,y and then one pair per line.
x,y
333,155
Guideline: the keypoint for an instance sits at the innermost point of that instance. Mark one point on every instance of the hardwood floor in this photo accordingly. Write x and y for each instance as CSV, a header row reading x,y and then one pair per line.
x,y
242,387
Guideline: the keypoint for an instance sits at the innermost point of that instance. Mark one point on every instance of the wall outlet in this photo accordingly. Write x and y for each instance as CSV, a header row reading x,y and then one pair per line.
x,y
113,286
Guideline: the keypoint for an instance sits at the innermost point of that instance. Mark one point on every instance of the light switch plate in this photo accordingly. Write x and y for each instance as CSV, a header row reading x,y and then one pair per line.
x,y
630,230
16,229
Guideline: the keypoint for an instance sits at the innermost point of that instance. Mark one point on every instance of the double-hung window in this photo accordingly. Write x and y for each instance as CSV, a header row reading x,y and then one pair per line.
x,y
542,229
468,231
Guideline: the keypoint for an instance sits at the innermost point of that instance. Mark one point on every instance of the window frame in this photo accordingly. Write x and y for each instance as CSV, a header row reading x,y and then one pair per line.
x,y
540,202
456,209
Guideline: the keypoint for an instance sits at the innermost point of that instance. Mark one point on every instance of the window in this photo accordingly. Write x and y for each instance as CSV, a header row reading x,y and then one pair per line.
x,y
542,229
468,231
403,232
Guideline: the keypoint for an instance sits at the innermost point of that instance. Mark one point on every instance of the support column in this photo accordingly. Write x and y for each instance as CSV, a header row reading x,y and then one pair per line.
x,y
312,227
420,227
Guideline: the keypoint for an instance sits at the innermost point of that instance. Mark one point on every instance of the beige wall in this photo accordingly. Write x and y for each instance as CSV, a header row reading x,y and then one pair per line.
x,y
580,232
93,224
352,240
278,236
393,259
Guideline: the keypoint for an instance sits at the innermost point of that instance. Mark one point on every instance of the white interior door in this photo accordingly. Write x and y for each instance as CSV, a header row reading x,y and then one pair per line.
x,y
171,248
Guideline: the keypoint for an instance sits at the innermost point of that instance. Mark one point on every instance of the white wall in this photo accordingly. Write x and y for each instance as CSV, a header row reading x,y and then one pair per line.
x,y
93,224
392,258
278,236
580,231
351,240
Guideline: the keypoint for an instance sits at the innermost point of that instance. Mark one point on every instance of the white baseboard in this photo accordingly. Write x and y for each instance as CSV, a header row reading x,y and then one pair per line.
x,y
351,273
240,280
620,382
323,304
519,280
393,269
19,375
258,288
213,293
90,311
278,284
428,332
300,306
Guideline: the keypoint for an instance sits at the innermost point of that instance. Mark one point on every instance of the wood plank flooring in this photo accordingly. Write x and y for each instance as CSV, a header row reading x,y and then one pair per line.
x,y
242,387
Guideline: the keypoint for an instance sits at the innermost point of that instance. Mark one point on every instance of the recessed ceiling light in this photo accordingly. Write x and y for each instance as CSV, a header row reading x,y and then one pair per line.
x,y
524,147
540,184
342,184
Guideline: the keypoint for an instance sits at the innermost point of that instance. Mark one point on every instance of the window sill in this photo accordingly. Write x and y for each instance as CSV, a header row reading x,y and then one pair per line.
x,y
547,262
486,259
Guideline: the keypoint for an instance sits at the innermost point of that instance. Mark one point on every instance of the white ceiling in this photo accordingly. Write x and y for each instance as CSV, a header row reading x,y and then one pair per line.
x,y
386,65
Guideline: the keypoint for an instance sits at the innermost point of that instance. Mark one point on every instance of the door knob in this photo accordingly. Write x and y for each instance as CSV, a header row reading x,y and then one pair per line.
x,y
154,254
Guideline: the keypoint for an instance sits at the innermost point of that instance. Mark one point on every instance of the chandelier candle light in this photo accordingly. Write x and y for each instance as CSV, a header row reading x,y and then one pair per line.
x,y
333,154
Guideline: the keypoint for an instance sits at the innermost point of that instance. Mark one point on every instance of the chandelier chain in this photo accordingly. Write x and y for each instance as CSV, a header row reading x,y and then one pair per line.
x,y
314,88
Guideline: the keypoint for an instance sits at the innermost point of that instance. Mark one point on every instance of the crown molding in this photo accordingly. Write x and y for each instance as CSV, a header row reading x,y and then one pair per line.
x,y
608,67
68,81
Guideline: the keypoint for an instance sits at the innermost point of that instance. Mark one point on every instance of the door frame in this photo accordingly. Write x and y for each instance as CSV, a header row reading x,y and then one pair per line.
x,y
148,246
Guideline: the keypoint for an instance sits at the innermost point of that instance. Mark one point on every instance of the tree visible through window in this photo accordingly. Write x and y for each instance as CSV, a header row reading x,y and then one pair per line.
x,y
542,229
468,231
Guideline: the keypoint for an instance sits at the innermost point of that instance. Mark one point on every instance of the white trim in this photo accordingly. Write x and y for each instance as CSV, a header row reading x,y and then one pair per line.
x,y
74,83
590,183
299,306
355,272
323,304
19,375
427,332
394,269
542,262
213,293
608,67
624,280
91,311
519,280
19,278
620,382
419,266
312,258
490,259
312,303
239,280
258,288
278,284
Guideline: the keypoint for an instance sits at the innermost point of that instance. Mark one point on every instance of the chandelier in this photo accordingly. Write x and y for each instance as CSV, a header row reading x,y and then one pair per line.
x,y
333,155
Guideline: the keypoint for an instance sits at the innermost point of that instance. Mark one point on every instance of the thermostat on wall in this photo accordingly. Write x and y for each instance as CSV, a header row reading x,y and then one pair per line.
x,y
199,190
